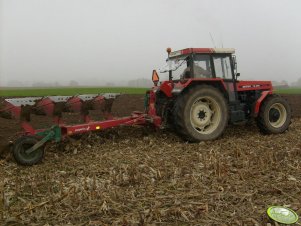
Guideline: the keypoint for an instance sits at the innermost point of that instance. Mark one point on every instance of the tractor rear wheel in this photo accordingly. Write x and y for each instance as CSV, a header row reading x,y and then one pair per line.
x,y
274,115
22,145
201,113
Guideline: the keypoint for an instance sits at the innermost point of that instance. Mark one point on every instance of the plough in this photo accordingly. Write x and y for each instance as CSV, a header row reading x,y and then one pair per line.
x,y
29,148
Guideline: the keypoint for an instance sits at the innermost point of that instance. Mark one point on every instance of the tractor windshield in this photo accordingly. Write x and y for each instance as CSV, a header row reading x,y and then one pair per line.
x,y
176,65
173,64
183,67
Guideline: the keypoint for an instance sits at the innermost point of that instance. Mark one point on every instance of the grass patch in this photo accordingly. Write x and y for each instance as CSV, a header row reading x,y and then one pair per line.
x,y
69,91
289,91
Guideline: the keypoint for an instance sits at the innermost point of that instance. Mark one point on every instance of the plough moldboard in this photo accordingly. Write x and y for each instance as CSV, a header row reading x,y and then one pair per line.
x,y
29,148
21,108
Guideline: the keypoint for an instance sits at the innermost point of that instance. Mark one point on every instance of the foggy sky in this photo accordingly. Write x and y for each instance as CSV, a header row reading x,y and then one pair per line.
x,y
96,41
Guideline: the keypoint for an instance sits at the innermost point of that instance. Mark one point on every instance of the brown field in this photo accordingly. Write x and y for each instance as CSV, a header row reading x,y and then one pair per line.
x,y
139,176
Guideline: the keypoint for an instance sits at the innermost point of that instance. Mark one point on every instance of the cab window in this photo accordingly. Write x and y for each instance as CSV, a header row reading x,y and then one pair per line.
x,y
222,67
202,66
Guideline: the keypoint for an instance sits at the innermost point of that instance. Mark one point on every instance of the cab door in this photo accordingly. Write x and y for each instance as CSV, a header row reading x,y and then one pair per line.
x,y
223,69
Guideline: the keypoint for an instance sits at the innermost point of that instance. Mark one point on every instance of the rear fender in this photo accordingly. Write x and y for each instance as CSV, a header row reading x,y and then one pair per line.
x,y
166,87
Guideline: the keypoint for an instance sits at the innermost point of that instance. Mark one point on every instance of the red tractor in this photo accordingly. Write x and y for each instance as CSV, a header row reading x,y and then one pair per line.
x,y
200,98
203,94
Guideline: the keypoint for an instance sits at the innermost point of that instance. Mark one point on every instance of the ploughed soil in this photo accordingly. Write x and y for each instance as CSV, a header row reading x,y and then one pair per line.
x,y
142,176
295,102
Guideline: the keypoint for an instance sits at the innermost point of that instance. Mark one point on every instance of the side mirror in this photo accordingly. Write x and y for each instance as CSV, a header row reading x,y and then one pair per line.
x,y
155,77
237,75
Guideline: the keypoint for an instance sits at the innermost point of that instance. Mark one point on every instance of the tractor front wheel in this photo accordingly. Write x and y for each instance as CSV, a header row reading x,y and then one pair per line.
x,y
201,113
20,151
274,115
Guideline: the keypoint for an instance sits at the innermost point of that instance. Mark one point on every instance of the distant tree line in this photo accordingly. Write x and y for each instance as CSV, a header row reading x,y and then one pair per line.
x,y
71,83
285,84
141,82
297,83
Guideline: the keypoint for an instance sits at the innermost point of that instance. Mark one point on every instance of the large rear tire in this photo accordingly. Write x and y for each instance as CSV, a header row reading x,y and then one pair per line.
x,y
201,113
19,151
274,115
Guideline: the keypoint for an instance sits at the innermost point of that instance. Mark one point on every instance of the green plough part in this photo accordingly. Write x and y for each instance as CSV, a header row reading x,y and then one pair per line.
x,y
54,133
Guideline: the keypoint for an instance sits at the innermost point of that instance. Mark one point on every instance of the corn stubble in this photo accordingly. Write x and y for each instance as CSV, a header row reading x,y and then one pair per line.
x,y
138,176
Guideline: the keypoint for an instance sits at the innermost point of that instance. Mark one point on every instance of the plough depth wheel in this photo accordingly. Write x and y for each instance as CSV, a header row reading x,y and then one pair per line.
x,y
22,153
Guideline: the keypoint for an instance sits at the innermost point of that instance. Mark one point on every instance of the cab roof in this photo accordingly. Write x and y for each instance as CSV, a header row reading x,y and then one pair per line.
x,y
201,50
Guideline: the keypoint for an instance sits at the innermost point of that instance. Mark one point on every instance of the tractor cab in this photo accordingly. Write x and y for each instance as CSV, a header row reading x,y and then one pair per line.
x,y
214,65
200,63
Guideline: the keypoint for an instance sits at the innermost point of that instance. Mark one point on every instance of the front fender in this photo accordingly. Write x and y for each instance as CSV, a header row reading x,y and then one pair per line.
x,y
259,101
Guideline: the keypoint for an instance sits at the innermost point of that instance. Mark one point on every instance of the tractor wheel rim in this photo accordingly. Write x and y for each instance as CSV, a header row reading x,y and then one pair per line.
x,y
277,115
205,115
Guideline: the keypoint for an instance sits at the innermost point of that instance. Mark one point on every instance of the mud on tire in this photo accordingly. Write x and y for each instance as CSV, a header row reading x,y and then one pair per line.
x,y
201,113
274,115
